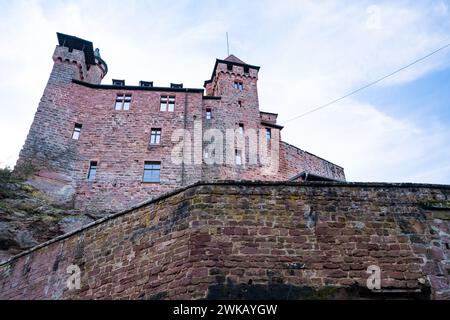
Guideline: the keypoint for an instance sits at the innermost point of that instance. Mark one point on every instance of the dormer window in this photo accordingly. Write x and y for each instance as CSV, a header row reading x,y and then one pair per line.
x,y
116,82
147,84
176,85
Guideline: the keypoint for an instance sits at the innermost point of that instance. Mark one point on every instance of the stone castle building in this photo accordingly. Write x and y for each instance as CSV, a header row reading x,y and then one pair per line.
x,y
108,147
193,235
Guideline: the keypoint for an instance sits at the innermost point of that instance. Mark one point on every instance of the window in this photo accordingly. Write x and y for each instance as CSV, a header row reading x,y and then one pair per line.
x,y
238,157
116,82
151,171
155,136
246,69
240,103
241,128
239,85
147,84
176,85
76,131
208,114
167,103
268,134
123,102
229,67
92,170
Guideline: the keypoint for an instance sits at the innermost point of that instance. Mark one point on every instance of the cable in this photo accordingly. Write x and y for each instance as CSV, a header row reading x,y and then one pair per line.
x,y
367,85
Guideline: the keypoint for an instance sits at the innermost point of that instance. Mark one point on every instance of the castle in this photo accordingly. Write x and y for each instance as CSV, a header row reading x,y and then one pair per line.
x,y
108,147
206,229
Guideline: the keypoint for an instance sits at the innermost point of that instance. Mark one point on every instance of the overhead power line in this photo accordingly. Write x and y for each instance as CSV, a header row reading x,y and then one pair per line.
x,y
367,85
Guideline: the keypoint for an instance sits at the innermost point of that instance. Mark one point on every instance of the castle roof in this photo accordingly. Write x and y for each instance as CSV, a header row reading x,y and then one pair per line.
x,y
72,42
233,58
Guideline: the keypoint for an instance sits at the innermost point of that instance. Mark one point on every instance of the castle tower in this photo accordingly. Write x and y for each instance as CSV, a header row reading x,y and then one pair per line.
x,y
75,58
234,83
47,155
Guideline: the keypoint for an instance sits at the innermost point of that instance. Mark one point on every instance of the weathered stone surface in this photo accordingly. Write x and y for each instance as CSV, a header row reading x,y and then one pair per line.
x,y
119,140
186,245
28,218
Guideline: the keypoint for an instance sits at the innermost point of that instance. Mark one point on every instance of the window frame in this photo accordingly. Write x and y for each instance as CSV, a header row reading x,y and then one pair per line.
x,y
92,171
241,128
208,114
151,170
268,131
167,103
239,85
123,102
155,139
76,131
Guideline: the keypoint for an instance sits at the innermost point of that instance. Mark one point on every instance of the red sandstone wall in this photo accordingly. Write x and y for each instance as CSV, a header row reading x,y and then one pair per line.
x,y
253,240
294,160
119,140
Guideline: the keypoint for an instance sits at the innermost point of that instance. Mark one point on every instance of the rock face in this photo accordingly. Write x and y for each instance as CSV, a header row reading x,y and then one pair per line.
x,y
27,218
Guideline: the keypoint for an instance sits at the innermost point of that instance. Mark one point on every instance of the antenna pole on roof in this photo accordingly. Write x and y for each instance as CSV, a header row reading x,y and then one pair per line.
x,y
228,46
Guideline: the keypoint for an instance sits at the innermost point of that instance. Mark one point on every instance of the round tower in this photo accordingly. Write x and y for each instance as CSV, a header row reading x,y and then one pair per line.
x,y
77,60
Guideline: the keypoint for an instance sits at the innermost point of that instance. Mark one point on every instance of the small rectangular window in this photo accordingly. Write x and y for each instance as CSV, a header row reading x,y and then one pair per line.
x,y
241,128
229,67
155,136
246,69
176,85
127,102
238,157
147,84
92,170
171,106
116,82
268,134
240,103
76,131
152,171
208,114
167,103
239,85
123,102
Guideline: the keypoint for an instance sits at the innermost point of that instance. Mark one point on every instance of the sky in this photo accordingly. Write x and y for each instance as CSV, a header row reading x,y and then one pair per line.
x,y
310,53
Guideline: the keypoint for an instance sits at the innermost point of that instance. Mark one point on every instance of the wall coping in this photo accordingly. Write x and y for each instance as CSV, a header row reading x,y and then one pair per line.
x,y
229,183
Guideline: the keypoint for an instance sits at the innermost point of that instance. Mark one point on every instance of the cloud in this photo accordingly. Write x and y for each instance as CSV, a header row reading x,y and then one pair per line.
x,y
310,53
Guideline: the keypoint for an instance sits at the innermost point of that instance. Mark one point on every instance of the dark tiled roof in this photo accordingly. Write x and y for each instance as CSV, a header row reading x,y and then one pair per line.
x,y
72,42
233,58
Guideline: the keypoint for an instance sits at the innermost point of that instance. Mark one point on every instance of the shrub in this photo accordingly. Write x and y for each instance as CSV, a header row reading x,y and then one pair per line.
x,y
6,174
